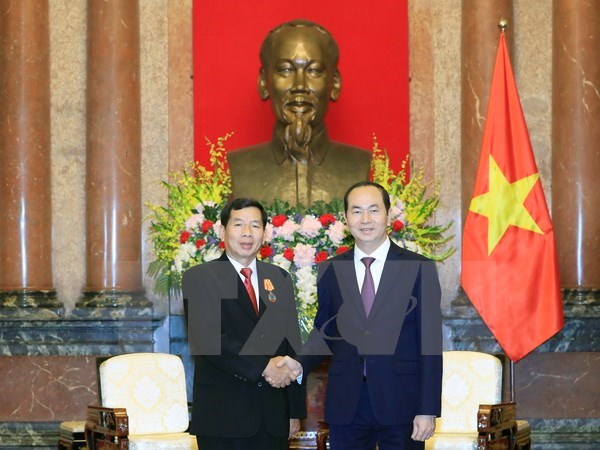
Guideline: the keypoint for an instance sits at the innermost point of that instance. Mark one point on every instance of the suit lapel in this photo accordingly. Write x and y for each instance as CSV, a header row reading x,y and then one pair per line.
x,y
396,272
346,279
263,295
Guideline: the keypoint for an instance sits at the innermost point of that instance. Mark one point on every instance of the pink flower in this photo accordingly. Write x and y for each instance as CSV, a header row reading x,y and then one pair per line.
x,y
304,255
336,232
286,231
194,221
310,226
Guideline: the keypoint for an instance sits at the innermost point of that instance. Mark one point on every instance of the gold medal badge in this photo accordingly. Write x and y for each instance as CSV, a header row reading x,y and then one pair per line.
x,y
269,287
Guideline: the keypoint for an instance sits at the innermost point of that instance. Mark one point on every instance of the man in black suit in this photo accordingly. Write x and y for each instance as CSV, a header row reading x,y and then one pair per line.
x,y
239,337
379,314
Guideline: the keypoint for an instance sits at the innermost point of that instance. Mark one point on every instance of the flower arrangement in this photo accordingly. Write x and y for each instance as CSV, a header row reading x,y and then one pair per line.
x,y
186,232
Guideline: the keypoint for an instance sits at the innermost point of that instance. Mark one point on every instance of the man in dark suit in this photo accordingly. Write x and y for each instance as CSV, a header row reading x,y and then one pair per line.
x,y
379,314
238,338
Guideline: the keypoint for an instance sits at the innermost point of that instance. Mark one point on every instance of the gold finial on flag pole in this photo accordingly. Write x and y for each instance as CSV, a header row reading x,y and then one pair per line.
x,y
503,25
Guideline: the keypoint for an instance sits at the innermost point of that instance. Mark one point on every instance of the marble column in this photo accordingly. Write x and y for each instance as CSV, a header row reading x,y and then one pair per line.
x,y
25,187
113,164
479,43
576,143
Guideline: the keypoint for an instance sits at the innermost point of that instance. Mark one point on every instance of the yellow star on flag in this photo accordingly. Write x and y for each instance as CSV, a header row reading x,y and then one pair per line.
x,y
503,204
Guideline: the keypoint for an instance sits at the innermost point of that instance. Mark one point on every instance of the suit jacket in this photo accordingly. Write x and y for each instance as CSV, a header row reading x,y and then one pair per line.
x,y
401,339
230,345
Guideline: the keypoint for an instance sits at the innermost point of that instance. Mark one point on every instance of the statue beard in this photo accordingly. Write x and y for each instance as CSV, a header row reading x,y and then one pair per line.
x,y
298,134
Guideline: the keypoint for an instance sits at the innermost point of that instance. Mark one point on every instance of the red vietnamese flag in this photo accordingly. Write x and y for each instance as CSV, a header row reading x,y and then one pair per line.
x,y
509,268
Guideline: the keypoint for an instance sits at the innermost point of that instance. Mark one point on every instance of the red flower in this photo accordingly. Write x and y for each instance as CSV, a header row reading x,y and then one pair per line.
x,y
200,243
266,251
206,226
221,244
397,225
321,256
342,249
326,219
184,236
288,254
278,220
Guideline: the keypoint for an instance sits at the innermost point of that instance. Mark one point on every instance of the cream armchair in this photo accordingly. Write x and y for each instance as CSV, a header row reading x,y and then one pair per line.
x,y
144,404
472,415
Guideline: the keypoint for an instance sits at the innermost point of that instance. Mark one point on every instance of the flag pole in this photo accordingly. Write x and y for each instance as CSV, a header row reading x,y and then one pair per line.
x,y
503,25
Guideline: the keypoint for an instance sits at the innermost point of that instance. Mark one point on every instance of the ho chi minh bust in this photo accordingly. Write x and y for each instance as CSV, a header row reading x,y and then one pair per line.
x,y
300,164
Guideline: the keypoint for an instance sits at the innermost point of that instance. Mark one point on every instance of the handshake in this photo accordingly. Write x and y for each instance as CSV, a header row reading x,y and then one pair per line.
x,y
281,371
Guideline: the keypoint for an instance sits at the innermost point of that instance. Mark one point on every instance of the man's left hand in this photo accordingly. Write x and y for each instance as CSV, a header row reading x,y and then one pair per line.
x,y
294,427
423,427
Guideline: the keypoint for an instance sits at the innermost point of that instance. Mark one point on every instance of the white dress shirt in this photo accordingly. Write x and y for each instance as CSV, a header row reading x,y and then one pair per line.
x,y
253,278
380,254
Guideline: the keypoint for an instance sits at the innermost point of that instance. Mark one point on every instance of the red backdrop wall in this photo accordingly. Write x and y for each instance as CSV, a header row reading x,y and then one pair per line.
x,y
373,41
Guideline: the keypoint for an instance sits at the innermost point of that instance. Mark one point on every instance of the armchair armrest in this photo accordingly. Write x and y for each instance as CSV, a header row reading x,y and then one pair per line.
x,y
497,426
106,428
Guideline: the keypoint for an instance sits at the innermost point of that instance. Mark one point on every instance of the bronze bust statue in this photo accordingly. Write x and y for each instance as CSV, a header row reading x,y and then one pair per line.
x,y
300,164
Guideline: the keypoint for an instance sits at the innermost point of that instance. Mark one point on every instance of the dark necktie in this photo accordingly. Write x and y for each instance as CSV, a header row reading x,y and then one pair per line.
x,y
247,272
368,288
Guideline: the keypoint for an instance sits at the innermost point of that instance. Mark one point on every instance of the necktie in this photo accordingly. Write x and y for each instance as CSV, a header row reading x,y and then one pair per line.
x,y
247,272
368,288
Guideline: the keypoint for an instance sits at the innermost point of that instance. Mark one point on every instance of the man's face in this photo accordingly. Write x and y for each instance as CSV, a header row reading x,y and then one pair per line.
x,y
300,77
244,234
367,218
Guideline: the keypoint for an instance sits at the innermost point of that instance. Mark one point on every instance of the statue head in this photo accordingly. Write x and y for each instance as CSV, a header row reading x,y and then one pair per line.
x,y
299,74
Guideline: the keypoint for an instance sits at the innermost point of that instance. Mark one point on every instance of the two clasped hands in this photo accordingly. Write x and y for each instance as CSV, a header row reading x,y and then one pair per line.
x,y
280,372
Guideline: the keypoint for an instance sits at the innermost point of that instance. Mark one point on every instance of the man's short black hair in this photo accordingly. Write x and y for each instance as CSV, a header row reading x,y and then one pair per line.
x,y
384,194
241,203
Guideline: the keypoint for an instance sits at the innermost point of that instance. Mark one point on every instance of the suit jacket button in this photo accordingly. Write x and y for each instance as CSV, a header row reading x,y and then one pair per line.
x,y
367,333
259,384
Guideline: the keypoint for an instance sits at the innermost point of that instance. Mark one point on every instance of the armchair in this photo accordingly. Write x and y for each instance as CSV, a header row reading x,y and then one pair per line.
x,y
472,415
144,405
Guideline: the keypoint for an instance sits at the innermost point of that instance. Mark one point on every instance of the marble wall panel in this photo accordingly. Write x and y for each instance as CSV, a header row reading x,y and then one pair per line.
x,y
558,386
47,388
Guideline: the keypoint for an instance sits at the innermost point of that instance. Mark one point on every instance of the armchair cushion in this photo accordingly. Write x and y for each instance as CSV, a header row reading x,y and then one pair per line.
x,y
470,379
151,387
172,441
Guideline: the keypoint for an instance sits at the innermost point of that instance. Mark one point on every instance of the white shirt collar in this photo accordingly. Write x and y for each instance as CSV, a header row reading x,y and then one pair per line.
x,y
238,267
380,254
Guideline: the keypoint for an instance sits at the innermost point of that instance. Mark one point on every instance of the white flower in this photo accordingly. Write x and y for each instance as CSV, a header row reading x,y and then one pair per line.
x,y
282,262
306,285
310,226
210,253
410,245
